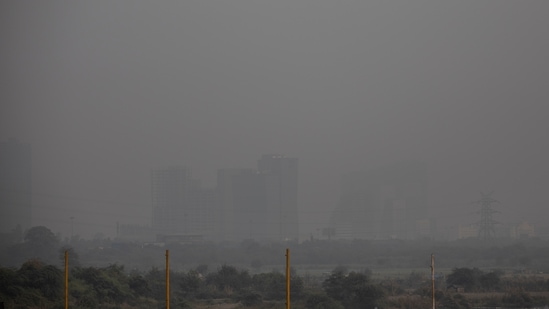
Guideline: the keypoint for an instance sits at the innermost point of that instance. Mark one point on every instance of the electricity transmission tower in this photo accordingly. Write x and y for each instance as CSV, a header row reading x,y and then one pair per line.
x,y
486,229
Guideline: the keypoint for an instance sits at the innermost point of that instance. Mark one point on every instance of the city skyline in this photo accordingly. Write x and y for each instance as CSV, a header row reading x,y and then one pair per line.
x,y
389,202
105,92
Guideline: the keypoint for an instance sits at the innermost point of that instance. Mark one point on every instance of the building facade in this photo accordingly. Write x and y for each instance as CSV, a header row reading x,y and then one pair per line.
x,y
260,203
385,203
247,203
281,185
181,206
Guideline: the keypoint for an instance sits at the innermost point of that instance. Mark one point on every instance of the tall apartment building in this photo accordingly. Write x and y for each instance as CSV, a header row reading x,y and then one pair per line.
x,y
259,203
15,186
282,188
180,205
384,203
242,211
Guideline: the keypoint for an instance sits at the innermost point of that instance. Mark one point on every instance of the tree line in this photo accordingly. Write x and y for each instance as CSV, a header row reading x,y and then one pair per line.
x,y
97,282
38,285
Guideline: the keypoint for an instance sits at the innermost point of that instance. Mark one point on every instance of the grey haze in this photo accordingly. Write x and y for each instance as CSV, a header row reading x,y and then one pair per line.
x,y
104,91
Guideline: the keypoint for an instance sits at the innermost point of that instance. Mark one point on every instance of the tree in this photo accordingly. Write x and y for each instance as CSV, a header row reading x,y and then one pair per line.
x,y
334,284
190,284
41,235
229,279
353,290
468,278
156,280
490,281
272,285
9,283
109,284
41,243
47,279
139,285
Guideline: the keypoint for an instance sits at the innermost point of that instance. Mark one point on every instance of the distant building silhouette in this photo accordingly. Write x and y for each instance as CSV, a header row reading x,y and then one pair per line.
x,y
240,200
247,203
180,204
15,186
384,203
259,204
282,188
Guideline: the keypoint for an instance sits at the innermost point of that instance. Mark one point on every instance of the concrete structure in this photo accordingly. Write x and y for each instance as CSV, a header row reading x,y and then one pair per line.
x,y
281,181
385,203
180,205
259,204
15,186
247,203
239,196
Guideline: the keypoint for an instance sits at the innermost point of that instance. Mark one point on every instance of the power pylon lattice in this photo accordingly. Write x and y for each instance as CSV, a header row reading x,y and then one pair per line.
x,y
487,223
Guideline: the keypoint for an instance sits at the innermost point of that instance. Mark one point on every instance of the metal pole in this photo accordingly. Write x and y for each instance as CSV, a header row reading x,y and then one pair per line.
x,y
433,279
167,279
66,279
287,278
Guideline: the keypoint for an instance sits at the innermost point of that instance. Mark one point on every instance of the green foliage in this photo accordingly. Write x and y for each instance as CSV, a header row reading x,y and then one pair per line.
x,y
138,285
41,235
229,279
9,283
47,279
190,284
353,290
156,280
34,283
272,285
109,284
468,278
39,243
297,287
473,279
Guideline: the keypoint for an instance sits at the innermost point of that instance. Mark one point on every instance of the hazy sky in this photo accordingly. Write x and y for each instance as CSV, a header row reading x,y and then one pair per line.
x,y
106,90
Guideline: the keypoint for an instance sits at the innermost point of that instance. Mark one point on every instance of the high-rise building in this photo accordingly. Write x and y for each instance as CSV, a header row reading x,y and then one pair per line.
x,y
181,206
237,193
384,203
15,186
282,193
259,204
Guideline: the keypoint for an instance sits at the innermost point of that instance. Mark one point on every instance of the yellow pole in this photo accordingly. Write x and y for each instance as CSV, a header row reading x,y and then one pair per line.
x,y
66,279
167,279
287,278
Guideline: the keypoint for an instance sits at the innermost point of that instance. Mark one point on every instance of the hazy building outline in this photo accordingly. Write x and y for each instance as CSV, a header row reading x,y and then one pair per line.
x,y
260,203
180,205
384,203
